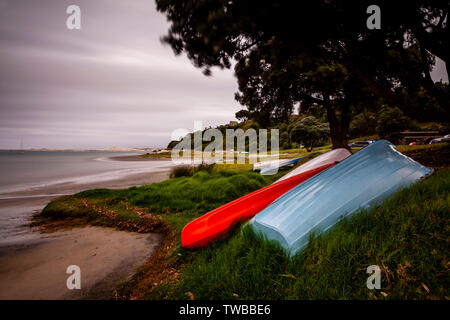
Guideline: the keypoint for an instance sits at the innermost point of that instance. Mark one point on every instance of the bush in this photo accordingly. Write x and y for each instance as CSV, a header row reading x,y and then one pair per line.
x,y
390,121
189,171
181,171
204,167
363,124
310,132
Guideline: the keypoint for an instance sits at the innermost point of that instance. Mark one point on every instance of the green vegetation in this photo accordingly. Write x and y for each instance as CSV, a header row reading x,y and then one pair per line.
x,y
176,200
438,147
390,121
310,133
160,155
188,171
407,236
200,193
99,207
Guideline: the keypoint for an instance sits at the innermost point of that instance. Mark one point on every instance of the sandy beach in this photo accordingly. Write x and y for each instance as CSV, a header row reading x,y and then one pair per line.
x,y
106,257
33,264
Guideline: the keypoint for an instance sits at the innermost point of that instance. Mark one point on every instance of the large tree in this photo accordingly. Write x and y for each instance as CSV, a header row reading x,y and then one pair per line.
x,y
325,41
310,133
268,83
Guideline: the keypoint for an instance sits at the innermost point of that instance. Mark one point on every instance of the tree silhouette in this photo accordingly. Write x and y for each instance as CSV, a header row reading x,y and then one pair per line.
x,y
341,62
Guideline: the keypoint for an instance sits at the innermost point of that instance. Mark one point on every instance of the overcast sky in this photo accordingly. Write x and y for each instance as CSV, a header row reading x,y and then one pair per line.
x,y
112,83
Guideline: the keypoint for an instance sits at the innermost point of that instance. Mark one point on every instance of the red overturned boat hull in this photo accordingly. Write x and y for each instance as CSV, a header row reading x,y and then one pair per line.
x,y
216,223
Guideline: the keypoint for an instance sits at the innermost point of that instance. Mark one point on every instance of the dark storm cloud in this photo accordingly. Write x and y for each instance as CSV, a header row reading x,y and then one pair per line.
x,y
110,83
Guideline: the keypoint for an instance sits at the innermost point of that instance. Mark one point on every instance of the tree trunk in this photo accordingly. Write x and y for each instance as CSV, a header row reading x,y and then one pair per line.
x,y
339,139
339,128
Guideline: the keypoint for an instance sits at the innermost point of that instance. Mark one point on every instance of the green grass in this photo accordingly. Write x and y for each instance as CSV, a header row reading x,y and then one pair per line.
x,y
200,193
407,236
177,200
302,151
156,155
233,166
431,147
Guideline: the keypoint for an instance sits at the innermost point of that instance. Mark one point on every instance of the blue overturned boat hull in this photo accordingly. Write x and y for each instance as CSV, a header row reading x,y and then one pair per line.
x,y
360,181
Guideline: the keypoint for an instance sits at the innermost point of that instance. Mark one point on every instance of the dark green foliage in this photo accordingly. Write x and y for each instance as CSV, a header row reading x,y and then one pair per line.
x,y
172,144
363,124
310,133
243,115
318,54
181,171
188,171
64,207
391,120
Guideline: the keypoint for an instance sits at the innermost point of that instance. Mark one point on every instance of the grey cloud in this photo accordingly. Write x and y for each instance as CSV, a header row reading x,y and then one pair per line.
x,y
110,83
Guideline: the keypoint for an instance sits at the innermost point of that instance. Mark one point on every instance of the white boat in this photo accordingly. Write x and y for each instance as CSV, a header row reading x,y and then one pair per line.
x,y
336,155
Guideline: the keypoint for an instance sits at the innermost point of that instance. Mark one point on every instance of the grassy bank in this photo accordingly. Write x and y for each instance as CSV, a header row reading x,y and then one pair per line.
x,y
149,208
160,155
407,236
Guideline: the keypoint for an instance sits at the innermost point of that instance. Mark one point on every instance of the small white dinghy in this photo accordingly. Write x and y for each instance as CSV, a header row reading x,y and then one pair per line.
x,y
336,155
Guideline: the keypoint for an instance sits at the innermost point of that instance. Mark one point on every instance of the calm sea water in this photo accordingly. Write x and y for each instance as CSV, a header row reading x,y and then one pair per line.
x,y
20,172
29,180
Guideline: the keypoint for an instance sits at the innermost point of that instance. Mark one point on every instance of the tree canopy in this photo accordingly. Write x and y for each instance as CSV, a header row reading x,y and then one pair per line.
x,y
310,132
316,53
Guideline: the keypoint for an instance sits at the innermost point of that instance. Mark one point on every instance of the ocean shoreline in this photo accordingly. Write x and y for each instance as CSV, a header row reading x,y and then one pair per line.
x,y
65,188
26,245
138,157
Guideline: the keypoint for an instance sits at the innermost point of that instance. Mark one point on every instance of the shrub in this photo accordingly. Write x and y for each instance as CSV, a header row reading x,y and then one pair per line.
x,y
390,121
363,124
310,132
181,171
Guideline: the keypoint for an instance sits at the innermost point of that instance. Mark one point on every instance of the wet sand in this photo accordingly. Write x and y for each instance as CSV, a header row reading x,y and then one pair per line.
x,y
33,265
107,258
